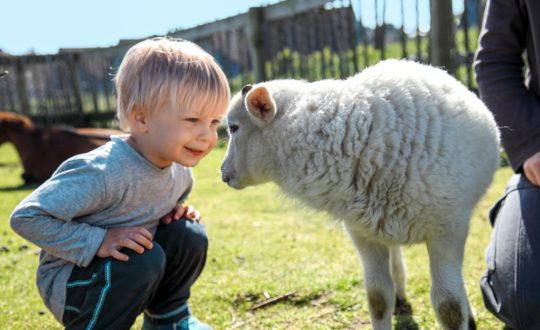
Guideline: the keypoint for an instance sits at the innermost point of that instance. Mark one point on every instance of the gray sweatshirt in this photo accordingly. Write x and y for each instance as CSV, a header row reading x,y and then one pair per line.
x,y
69,214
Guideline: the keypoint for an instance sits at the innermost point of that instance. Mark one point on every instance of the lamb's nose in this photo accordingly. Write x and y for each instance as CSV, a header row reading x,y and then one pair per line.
x,y
225,177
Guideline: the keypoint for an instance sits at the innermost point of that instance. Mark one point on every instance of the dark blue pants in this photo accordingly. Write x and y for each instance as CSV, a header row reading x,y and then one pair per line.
x,y
511,285
110,294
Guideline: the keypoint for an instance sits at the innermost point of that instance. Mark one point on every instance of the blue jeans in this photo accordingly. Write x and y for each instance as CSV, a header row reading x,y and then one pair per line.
x,y
110,294
511,285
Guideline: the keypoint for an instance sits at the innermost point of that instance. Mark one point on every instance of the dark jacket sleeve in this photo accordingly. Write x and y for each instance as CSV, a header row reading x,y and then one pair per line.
x,y
499,68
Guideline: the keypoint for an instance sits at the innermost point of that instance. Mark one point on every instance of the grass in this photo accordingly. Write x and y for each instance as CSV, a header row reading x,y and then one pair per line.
x,y
260,244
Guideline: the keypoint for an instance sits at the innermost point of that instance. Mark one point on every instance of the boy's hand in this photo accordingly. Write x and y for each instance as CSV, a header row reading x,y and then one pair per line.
x,y
182,211
134,238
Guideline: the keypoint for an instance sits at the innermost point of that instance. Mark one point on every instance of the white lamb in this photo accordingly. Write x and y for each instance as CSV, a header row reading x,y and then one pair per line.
x,y
400,152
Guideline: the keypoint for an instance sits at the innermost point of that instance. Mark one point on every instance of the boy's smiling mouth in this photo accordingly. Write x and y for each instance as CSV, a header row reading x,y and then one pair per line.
x,y
195,152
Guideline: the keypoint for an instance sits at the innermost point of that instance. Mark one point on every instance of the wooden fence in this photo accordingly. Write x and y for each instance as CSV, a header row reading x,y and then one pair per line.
x,y
308,39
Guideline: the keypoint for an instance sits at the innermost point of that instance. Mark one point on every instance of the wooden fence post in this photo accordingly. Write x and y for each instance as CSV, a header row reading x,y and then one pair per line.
x,y
73,68
253,30
442,34
21,86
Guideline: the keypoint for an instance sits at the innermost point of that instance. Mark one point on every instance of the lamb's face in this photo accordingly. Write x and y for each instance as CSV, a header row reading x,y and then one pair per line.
x,y
246,160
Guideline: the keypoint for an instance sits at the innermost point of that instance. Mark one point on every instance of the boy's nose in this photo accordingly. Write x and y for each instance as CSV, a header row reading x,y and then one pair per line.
x,y
207,133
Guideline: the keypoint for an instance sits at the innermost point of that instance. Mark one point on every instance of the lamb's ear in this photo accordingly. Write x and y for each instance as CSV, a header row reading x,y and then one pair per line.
x,y
260,105
246,89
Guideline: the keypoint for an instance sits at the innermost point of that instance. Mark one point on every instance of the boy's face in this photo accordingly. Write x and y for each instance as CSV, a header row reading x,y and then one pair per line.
x,y
181,136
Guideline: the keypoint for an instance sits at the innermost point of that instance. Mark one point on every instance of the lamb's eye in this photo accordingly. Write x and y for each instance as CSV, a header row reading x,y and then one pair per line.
x,y
233,128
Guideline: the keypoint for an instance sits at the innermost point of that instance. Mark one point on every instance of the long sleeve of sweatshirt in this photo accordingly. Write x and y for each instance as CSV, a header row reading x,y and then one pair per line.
x,y
48,216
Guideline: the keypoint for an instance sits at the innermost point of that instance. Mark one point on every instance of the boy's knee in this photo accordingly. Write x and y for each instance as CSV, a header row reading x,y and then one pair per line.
x,y
197,236
192,236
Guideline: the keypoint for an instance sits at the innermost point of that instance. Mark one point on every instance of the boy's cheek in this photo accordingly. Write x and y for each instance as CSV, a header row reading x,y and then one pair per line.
x,y
210,150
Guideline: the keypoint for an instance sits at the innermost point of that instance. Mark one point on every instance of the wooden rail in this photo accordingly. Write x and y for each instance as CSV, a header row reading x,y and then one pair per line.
x,y
71,99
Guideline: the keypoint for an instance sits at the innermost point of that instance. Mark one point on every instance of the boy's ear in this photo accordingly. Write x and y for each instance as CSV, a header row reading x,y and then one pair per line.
x,y
139,120
260,105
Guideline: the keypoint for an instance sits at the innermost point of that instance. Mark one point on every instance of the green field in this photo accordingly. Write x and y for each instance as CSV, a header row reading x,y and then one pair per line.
x,y
261,245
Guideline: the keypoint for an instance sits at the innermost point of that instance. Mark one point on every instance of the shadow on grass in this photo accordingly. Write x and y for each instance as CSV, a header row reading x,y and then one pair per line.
x,y
403,316
19,187
9,165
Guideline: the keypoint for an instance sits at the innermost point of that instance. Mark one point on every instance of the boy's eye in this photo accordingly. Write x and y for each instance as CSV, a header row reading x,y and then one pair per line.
x,y
216,122
233,128
192,120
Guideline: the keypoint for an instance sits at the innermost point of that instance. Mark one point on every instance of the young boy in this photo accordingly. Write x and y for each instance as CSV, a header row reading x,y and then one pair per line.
x,y
115,238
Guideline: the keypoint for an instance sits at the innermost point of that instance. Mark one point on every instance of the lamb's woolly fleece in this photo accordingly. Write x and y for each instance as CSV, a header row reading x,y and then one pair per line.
x,y
403,150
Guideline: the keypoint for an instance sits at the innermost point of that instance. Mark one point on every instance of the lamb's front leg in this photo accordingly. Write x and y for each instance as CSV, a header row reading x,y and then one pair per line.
x,y
448,294
378,282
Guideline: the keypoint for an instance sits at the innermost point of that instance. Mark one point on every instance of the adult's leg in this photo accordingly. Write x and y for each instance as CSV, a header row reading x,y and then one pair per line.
x,y
511,286
185,243
110,294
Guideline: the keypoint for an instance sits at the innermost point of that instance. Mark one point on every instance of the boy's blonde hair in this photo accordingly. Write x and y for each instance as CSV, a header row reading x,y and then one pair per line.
x,y
161,70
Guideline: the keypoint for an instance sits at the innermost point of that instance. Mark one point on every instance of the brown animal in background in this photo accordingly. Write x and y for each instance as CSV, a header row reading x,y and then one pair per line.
x,y
43,149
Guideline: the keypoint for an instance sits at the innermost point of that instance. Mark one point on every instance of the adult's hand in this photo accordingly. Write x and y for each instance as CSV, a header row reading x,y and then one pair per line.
x,y
531,168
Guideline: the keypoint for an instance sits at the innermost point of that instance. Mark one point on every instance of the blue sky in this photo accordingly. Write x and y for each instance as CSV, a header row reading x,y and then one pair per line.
x,y
46,26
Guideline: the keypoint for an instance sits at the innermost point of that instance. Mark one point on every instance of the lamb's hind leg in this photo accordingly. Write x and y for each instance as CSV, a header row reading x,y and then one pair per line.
x,y
448,294
377,280
397,269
